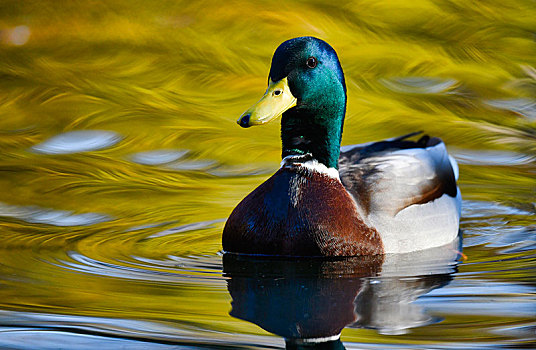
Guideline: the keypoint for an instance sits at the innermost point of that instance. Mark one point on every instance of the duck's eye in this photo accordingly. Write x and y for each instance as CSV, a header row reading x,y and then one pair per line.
x,y
311,62
277,92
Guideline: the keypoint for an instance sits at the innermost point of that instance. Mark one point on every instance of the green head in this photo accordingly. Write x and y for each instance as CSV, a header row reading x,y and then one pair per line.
x,y
306,86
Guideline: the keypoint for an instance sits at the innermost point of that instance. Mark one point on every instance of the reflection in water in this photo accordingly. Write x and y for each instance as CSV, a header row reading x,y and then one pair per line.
x,y
304,300
523,106
128,232
38,215
158,157
17,36
386,304
420,85
78,141
309,301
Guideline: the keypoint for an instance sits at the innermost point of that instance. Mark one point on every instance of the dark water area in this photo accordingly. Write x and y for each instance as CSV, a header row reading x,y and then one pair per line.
x,y
120,160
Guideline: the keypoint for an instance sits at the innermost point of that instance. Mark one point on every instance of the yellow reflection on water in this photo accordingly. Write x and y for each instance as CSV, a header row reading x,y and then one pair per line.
x,y
174,76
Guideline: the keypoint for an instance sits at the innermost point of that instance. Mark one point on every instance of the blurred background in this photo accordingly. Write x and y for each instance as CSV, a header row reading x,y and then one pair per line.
x,y
120,157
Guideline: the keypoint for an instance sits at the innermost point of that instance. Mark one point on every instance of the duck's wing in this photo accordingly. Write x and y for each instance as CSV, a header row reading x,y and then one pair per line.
x,y
389,176
406,190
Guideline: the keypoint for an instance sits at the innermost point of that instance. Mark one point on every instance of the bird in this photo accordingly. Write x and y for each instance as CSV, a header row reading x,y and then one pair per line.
x,y
393,196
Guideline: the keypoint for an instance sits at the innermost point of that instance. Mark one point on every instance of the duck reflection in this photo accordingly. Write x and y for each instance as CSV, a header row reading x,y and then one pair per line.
x,y
309,301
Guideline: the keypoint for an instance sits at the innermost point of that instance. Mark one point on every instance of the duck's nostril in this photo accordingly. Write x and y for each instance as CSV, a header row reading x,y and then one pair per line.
x,y
244,121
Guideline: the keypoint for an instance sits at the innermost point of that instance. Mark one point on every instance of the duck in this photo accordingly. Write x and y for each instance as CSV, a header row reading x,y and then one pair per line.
x,y
393,196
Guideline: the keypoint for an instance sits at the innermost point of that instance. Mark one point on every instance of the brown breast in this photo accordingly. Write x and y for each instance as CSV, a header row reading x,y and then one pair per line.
x,y
299,212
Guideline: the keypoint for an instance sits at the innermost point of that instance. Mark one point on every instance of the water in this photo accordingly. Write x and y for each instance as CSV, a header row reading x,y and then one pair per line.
x,y
120,161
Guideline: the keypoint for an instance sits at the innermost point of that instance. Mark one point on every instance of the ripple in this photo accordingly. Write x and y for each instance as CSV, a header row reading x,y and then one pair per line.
x,y
208,265
201,164
419,85
188,227
152,225
500,245
171,270
32,330
158,157
78,141
242,170
500,230
44,339
484,157
479,297
479,209
172,159
37,215
522,106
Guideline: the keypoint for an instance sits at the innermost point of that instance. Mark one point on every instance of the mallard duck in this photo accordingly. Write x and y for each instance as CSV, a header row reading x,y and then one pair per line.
x,y
392,196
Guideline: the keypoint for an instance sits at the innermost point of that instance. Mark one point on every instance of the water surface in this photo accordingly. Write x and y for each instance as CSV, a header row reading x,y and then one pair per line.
x,y
120,160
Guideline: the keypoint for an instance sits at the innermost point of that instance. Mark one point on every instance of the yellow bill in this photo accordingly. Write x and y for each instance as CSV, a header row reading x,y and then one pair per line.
x,y
275,101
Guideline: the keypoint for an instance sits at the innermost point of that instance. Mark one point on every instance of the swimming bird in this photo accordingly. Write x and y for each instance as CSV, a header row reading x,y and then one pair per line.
x,y
392,196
